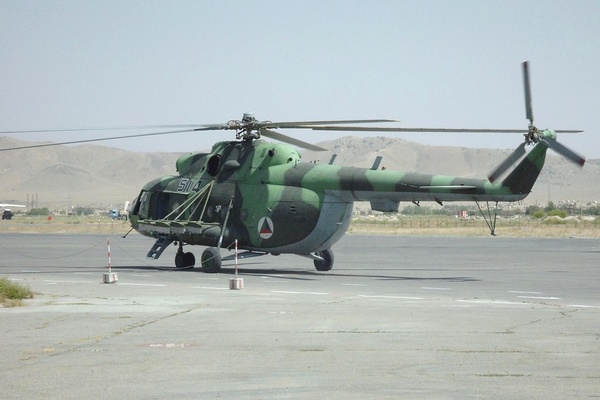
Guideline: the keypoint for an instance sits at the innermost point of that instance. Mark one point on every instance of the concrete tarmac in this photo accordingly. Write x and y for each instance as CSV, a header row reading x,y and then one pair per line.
x,y
397,317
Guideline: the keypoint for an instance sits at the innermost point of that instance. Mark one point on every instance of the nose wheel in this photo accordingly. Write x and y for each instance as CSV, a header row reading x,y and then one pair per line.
x,y
184,259
324,260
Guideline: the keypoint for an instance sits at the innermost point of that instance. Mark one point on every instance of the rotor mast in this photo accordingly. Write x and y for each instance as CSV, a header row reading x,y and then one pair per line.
x,y
246,129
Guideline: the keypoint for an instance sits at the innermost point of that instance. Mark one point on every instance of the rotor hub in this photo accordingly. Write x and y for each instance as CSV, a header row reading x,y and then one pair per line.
x,y
532,135
246,129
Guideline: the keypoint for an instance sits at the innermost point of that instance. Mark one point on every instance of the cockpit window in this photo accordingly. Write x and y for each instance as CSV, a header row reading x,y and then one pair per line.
x,y
143,205
214,163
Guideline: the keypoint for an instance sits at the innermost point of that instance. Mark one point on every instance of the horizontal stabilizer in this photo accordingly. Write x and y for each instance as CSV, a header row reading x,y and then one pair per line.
x,y
376,163
385,205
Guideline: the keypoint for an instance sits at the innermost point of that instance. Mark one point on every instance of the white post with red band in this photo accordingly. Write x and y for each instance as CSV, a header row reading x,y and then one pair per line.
x,y
109,277
236,283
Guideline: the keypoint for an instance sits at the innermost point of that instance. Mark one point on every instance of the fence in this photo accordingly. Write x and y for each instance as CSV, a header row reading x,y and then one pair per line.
x,y
445,224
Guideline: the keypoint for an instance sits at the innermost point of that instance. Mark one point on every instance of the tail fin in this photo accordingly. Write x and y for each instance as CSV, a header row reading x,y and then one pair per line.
x,y
522,178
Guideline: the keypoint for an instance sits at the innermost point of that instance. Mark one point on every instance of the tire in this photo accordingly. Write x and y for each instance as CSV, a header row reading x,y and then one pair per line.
x,y
180,259
326,263
189,259
211,260
184,260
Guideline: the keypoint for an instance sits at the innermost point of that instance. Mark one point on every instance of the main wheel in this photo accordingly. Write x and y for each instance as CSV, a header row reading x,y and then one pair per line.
x,y
327,260
211,260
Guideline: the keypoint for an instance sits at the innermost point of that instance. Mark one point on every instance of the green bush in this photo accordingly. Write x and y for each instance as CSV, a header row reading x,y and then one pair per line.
x,y
10,291
558,213
539,214
39,211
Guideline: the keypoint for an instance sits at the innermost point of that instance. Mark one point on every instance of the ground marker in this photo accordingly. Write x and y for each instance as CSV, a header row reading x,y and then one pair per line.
x,y
109,277
236,283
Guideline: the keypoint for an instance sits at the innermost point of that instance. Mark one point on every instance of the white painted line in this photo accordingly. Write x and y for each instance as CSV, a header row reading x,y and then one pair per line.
x,y
435,288
210,288
30,272
582,306
142,284
274,279
521,292
482,301
352,284
539,297
389,297
279,278
289,292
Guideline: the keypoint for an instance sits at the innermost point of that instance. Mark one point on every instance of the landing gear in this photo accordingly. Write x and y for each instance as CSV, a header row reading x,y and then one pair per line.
x,y
211,260
185,260
489,219
325,260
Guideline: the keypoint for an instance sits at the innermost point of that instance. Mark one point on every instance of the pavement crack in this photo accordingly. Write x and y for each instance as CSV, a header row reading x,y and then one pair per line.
x,y
143,324
78,344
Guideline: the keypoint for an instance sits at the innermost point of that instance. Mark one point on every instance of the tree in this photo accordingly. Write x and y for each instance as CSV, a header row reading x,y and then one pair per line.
x,y
39,211
550,206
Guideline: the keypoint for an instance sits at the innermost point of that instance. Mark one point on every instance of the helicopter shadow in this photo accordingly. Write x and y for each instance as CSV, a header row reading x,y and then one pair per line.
x,y
315,275
253,269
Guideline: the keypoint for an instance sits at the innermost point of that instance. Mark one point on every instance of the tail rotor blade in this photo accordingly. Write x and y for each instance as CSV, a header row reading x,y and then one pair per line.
x,y
566,152
506,164
527,89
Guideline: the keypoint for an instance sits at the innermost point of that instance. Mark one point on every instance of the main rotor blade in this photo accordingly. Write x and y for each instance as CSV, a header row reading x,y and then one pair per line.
x,y
425,130
113,128
429,130
566,152
309,124
506,164
259,124
527,89
289,140
33,146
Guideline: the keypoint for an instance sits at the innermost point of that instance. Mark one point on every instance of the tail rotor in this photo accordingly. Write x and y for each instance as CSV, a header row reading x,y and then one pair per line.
x,y
534,136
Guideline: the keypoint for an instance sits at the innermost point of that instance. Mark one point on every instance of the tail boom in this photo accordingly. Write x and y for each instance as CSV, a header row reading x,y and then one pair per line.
x,y
386,188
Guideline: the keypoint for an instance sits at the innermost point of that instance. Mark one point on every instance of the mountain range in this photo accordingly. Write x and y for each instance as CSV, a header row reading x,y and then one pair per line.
x,y
60,177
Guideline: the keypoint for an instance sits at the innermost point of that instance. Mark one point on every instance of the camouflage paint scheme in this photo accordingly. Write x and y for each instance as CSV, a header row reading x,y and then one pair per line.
x,y
283,205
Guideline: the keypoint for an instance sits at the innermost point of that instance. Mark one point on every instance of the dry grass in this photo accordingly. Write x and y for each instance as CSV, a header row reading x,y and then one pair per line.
x,y
447,226
404,226
12,294
551,231
65,224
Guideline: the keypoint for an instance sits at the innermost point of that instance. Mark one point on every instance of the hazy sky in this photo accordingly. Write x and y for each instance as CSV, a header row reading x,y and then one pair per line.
x,y
454,64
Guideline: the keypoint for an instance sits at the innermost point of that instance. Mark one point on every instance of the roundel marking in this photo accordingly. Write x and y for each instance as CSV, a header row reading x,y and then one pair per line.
x,y
265,227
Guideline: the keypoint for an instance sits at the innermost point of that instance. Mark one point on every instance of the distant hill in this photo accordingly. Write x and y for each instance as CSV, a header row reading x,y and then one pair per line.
x,y
65,176
93,175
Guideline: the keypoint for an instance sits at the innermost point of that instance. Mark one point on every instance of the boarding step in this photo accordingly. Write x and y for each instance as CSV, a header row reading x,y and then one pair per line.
x,y
159,246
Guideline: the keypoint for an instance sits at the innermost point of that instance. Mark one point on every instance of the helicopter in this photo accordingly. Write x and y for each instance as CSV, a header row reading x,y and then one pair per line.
x,y
262,197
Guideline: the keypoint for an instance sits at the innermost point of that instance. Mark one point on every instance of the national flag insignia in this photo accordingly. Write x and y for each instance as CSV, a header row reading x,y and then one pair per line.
x,y
265,227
